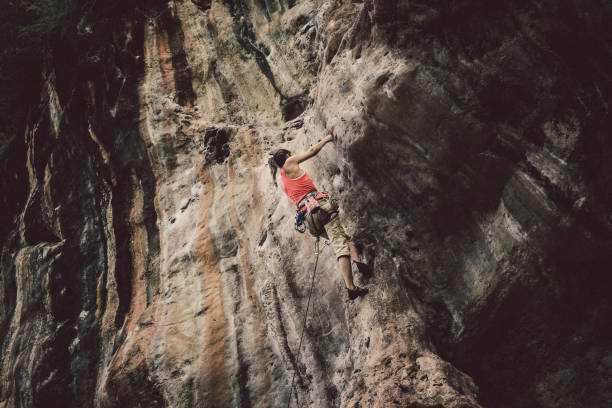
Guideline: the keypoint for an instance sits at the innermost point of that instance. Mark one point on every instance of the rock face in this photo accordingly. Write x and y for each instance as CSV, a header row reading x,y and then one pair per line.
x,y
149,260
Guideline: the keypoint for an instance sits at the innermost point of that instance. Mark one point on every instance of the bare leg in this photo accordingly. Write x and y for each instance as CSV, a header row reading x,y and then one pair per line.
x,y
354,253
347,274
362,267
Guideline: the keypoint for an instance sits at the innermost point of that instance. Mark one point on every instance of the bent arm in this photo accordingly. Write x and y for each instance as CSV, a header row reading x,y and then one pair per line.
x,y
298,158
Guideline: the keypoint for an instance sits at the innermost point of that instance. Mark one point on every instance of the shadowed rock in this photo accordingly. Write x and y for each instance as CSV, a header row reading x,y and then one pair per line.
x,y
148,259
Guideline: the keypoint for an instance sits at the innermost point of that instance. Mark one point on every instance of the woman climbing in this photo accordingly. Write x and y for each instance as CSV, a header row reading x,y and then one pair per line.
x,y
321,216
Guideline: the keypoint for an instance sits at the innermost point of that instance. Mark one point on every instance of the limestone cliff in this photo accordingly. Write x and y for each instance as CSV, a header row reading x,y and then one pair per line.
x,y
149,260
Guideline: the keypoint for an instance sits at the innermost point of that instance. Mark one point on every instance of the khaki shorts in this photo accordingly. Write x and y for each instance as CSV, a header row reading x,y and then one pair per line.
x,y
325,222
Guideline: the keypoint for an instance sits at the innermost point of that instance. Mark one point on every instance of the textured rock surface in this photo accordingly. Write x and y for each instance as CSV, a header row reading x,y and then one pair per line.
x,y
148,259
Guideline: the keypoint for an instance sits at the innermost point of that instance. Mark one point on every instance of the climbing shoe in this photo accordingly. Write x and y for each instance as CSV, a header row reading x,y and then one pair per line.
x,y
354,294
363,269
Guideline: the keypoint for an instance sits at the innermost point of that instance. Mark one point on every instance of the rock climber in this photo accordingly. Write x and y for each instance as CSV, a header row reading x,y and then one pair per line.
x,y
321,215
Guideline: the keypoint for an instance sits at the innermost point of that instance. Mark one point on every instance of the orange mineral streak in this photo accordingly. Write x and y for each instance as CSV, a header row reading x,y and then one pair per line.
x,y
154,159
139,249
256,210
130,361
159,79
164,54
250,302
215,382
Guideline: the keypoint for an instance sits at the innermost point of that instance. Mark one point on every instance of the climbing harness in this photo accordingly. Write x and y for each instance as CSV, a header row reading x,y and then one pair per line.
x,y
297,359
311,202
300,216
307,204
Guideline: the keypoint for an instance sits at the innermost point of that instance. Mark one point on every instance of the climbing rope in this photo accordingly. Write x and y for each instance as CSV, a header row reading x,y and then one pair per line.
x,y
297,360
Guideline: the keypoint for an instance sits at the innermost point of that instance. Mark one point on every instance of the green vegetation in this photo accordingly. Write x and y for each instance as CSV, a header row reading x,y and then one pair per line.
x,y
48,15
25,26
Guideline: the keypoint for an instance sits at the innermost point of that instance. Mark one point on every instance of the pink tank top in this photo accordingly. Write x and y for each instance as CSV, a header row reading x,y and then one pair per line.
x,y
297,188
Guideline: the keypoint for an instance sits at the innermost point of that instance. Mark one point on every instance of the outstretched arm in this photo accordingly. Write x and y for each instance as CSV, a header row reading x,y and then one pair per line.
x,y
298,158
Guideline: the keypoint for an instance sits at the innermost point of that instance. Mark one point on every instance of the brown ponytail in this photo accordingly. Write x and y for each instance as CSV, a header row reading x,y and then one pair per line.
x,y
277,161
